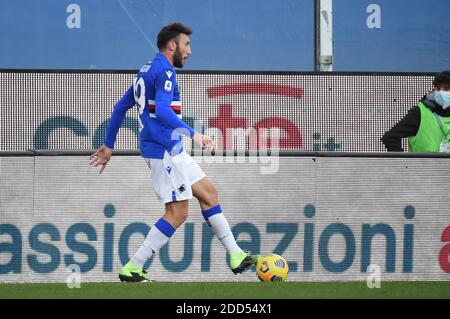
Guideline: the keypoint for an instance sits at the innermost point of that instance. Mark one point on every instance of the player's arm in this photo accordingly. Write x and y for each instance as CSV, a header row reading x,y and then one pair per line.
x,y
164,95
118,115
103,154
406,127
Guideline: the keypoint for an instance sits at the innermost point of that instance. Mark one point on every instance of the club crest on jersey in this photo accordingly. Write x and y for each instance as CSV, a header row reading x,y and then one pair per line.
x,y
169,74
168,86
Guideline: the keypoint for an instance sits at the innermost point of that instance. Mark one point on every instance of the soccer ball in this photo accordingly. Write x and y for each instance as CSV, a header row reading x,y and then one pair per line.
x,y
272,268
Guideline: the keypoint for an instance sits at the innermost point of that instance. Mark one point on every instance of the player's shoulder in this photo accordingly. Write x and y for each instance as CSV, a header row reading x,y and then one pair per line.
x,y
158,70
145,71
163,68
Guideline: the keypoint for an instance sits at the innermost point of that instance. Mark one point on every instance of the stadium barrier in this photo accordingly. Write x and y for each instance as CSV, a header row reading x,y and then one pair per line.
x,y
339,111
334,216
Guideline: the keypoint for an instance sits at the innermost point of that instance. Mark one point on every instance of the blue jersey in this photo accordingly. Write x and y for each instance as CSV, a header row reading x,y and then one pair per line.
x,y
156,94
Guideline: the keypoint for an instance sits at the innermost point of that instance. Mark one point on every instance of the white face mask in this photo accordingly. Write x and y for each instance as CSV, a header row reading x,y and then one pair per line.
x,y
442,98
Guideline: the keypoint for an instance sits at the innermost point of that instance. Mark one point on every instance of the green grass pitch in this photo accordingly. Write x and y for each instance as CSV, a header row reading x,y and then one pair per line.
x,y
231,290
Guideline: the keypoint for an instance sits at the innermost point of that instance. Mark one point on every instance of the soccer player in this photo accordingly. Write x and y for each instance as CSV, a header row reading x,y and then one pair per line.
x,y
176,176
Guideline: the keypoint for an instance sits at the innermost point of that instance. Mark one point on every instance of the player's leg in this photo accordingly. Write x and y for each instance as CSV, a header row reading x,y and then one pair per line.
x,y
208,199
169,182
207,196
174,216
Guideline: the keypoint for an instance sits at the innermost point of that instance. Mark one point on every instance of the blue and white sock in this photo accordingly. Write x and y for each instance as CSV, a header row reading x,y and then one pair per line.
x,y
157,237
220,227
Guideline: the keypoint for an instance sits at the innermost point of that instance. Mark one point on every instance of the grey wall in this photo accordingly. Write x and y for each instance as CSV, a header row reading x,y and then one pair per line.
x,y
329,217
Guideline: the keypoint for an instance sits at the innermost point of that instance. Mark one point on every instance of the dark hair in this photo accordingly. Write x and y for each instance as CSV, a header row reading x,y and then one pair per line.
x,y
442,80
170,32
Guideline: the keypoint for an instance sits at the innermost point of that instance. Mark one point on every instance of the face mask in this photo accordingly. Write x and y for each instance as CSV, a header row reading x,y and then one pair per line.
x,y
442,98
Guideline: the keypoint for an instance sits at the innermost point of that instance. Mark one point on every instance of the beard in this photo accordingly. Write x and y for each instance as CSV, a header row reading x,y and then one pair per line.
x,y
178,59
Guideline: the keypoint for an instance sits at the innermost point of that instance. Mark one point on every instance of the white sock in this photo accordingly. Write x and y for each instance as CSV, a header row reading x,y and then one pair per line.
x,y
157,237
221,229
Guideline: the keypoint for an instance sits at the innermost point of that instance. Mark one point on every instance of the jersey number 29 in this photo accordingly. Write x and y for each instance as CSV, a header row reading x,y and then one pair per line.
x,y
139,88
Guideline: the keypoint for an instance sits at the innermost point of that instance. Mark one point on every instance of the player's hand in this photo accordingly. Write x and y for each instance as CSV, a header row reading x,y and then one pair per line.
x,y
101,157
204,141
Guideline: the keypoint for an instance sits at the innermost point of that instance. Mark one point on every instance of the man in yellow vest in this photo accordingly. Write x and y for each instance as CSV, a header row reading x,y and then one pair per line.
x,y
426,125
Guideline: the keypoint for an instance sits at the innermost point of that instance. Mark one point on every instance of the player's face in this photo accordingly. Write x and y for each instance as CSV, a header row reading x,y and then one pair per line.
x,y
183,50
